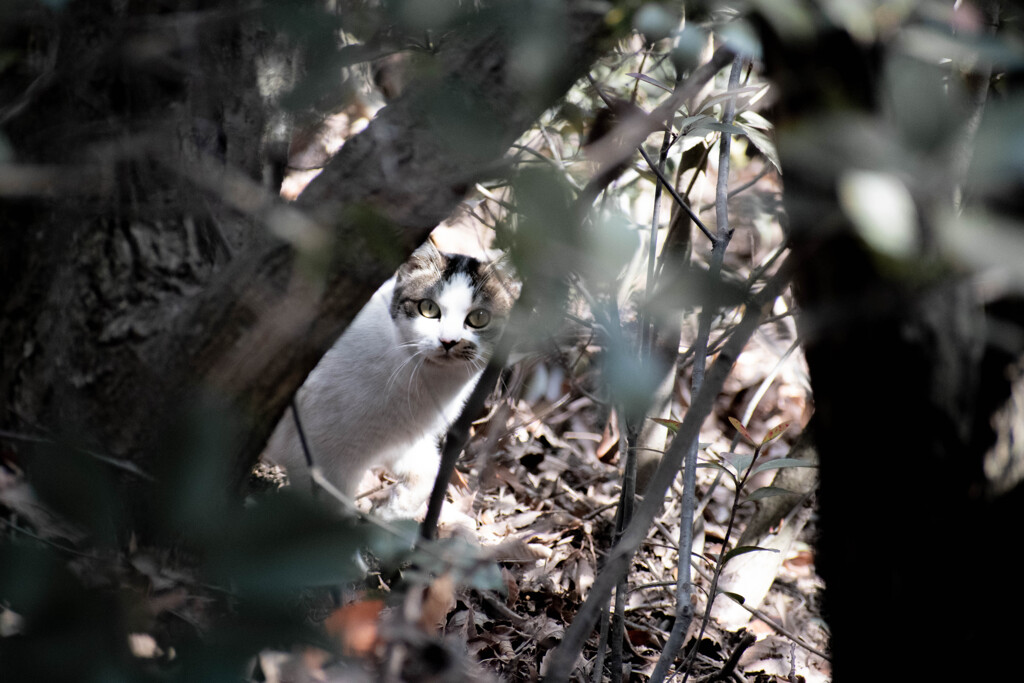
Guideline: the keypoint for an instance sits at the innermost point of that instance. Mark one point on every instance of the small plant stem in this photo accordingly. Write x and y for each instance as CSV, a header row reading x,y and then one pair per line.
x,y
719,243
624,512
646,327
720,564
683,204
776,626
657,169
106,459
618,560
622,519
602,646
730,665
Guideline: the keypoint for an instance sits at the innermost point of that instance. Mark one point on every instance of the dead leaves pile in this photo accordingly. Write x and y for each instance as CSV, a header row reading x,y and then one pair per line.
x,y
541,502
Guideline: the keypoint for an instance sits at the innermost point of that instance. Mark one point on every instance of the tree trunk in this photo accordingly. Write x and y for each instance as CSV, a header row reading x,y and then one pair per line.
x,y
162,285
910,545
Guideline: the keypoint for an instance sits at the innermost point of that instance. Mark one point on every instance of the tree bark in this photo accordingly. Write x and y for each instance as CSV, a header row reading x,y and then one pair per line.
x,y
166,284
909,542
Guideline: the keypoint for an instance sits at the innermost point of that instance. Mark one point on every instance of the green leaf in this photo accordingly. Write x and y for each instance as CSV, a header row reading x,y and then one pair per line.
x,y
718,466
781,463
77,486
710,123
769,492
754,120
693,125
738,93
467,561
647,79
739,461
763,142
735,596
687,122
743,550
283,542
671,425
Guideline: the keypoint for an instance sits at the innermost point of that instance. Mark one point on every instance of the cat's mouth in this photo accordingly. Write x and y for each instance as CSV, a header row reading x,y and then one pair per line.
x,y
442,357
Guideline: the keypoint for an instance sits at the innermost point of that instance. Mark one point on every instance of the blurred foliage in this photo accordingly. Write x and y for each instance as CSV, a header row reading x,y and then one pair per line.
x,y
80,597
245,573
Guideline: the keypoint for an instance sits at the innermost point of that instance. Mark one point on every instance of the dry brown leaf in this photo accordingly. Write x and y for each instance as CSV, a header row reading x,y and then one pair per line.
x,y
639,638
511,587
355,626
459,481
802,558
438,601
516,550
546,631
609,446
496,475
584,576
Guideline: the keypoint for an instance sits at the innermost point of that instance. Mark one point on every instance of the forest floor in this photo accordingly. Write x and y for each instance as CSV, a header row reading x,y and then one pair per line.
x,y
538,490
536,504
542,482
540,485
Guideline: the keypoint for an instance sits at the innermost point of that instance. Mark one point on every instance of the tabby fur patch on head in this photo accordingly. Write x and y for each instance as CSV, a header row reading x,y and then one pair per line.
x,y
450,307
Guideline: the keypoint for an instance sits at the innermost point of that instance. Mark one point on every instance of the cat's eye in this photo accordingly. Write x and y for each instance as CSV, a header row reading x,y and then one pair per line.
x,y
478,318
429,309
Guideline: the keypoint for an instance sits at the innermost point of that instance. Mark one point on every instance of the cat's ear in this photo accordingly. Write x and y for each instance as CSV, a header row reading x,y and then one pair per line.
x,y
425,258
504,273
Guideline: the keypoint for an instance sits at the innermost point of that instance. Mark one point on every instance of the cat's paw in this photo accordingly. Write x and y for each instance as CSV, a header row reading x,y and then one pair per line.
x,y
403,503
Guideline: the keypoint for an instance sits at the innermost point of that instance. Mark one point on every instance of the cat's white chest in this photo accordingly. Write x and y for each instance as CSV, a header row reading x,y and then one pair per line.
x,y
383,395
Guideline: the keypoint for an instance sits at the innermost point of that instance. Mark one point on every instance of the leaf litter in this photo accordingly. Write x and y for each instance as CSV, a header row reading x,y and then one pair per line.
x,y
543,486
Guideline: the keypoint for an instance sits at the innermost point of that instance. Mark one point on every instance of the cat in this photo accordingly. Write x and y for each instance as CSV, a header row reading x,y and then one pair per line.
x,y
397,378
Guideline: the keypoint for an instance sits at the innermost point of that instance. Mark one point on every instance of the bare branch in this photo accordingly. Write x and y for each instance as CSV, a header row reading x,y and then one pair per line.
x,y
621,555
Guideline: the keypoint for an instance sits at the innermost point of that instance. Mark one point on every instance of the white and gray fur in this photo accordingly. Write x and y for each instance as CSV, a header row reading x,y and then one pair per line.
x,y
387,390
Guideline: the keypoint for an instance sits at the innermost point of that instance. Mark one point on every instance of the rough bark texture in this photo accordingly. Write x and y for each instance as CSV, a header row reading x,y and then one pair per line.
x,y
97,274
895,354
126,308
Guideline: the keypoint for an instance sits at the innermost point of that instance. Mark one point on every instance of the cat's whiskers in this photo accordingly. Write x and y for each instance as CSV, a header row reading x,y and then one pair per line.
x,y
410,390
397,371
393,346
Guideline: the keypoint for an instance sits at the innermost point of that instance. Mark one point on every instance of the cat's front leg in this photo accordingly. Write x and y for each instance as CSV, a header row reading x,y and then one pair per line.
x,y
415,469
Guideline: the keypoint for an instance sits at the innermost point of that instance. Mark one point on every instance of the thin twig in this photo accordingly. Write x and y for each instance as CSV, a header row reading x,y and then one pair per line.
x,y
675,195
646,326
762,389
619,557
106,459
612,150
719,243
729,667
742,188
602,645
695,564
776,626
720,564
306,450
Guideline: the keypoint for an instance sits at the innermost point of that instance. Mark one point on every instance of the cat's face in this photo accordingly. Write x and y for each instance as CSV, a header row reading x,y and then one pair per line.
x,y
448,308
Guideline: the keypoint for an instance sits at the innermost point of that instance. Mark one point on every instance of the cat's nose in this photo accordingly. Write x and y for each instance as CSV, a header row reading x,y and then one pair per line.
x,y
449,344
